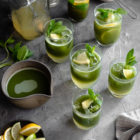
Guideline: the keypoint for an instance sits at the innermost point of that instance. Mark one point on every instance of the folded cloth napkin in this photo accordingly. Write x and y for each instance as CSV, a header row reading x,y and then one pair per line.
x,y
128,126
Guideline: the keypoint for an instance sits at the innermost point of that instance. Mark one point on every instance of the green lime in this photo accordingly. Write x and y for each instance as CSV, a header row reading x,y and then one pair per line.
x,y
128,73
110,36
31,137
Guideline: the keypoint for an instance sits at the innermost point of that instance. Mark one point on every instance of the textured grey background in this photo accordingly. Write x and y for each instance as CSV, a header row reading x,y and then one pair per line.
x,y
56,116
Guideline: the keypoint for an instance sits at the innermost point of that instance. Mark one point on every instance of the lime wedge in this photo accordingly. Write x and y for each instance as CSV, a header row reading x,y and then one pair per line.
x,y
55,36
110,36
128,73
31,137
15,130
82,59
86,103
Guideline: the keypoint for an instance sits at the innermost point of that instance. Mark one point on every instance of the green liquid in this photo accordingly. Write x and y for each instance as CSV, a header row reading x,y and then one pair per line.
x,y
78,12
91,119
118,85
107,33
85,76
59,51
27,82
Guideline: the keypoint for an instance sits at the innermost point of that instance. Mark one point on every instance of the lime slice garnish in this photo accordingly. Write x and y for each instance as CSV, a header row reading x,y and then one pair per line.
x,y
110,36
31,137
82,59
86,103
7,134
128,73
55,36
15,130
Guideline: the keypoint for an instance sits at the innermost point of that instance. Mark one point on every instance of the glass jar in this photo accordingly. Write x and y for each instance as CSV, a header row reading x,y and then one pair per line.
x,y
29,16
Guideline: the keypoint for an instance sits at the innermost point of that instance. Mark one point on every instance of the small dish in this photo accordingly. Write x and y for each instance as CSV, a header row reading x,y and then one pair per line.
x,y
23,123
33,100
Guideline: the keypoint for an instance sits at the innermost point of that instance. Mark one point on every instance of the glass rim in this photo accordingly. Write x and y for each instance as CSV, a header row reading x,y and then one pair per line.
x,y
77,46
119,79
87,115
95,10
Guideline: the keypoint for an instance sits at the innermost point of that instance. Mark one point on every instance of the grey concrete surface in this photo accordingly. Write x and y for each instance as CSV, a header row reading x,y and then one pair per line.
x,y
56,115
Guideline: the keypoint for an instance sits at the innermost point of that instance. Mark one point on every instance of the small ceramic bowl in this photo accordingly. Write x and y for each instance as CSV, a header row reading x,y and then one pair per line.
x,y
39,134
33,100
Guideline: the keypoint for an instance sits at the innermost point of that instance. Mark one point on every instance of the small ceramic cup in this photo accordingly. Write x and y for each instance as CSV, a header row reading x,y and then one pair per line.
x,y
33,100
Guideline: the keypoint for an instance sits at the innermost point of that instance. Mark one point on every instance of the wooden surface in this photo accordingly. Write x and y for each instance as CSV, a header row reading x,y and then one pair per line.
x,y
56,115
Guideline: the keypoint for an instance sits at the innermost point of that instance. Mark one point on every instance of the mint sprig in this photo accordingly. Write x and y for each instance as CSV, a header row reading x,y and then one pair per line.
x,y
18,52
55,27
94,97
90,53
130,58
105,12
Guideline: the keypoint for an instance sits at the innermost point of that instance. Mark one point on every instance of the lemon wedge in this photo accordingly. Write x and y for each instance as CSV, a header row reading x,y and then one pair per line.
x,y
128,73
30,129
82,58
15,130
86,103
77,2
7,134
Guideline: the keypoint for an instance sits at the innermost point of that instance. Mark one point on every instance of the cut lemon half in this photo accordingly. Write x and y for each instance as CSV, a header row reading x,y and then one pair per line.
x,y
77,2
128,73
15,130
82,58
7,134
30,129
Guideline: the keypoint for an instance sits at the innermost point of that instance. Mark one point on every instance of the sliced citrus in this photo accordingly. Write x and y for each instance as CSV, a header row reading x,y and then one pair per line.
x,y
20,137
31,137
86,103
77,2
40,139
30,129
110,36
110,24
15,130
128,73
82,58
1,137
55,36
7,134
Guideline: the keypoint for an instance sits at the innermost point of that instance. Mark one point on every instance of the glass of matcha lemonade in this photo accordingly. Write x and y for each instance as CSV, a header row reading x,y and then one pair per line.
x,y
78,9
122,75
107,23
59,39
86,109
85,65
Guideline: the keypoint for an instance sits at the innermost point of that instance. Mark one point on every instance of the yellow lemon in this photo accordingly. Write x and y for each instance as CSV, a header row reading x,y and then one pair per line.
x,y
7,134
30,129
77,2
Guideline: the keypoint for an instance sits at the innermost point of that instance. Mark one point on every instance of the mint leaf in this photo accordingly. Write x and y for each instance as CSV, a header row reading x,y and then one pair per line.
x,y
120,11
55,27
10,40
130,58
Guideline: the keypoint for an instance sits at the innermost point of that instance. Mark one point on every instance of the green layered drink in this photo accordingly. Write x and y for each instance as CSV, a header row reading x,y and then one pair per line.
x,y
122,76
59,39
86,109
85,65
107,24
78,9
